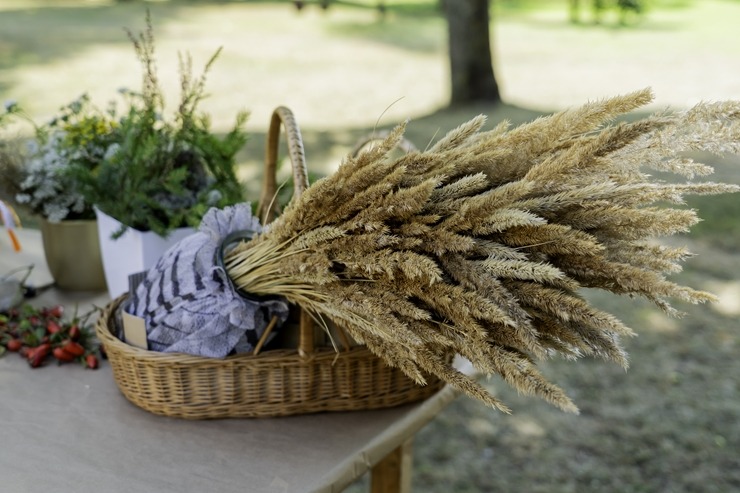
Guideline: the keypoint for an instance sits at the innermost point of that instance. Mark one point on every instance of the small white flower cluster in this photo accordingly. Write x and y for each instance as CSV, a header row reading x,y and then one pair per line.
x,y
46,189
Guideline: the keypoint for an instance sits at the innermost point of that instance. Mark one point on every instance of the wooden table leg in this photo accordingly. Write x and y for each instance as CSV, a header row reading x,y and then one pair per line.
x,y
393,473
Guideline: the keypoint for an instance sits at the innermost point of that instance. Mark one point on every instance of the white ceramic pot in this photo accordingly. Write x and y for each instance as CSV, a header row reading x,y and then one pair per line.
x,y
135,251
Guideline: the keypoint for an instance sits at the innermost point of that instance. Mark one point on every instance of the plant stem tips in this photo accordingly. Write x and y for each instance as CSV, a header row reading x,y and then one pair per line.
x,y
39,334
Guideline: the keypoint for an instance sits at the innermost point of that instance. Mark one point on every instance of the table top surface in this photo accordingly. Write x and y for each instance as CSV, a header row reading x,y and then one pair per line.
x,y
68,429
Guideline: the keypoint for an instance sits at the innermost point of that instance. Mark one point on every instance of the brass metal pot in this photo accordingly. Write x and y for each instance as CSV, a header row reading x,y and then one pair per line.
x,y
72,252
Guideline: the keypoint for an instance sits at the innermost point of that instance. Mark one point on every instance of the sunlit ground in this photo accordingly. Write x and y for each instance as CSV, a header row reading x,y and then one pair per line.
x,y
346,68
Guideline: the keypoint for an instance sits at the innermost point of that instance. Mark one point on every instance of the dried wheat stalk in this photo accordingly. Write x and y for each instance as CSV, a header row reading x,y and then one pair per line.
x,y
479,246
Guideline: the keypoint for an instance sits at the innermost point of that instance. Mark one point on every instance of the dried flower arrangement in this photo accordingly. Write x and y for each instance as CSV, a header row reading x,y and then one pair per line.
x,y
480,245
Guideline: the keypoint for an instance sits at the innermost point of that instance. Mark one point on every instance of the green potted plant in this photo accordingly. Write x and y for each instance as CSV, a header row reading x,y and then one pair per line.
x,y
39,174
147,178
162,173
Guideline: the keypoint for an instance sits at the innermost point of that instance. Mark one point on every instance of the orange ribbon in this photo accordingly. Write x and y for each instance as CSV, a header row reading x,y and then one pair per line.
x,y
10,219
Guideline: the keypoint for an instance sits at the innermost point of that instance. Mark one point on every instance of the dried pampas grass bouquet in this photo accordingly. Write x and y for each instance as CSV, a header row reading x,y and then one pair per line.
x,y
480,245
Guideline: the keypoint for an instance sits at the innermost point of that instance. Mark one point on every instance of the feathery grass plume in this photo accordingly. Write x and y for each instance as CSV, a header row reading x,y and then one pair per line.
x,y
481,245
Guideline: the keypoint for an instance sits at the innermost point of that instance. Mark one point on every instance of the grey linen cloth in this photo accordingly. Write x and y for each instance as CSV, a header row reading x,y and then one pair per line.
x,y
188,301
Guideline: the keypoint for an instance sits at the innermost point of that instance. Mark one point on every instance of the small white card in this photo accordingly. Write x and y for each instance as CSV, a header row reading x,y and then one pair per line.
x,y
134,330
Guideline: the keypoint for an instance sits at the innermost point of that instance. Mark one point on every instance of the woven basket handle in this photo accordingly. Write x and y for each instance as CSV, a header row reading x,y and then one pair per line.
x,y
268,208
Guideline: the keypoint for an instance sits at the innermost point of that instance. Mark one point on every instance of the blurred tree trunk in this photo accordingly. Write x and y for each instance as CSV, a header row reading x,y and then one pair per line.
x,y
471,68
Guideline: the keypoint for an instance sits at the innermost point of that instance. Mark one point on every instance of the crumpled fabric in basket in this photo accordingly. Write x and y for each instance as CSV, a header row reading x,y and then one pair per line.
x,y
188,301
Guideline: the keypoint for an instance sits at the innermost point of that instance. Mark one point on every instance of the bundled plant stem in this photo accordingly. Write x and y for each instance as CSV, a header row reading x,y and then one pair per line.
x,y
481,245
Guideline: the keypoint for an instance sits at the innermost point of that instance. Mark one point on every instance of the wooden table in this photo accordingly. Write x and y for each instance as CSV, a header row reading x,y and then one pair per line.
x,y
68,429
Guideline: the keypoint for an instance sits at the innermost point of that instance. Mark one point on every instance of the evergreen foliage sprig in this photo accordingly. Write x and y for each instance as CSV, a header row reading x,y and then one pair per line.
x,y
166,173
481,245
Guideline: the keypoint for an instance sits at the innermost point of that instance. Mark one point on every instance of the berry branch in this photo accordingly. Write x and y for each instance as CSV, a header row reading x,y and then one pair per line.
x,y
40,333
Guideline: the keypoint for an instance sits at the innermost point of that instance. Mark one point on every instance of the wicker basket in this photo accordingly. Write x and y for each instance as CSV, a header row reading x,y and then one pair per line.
x,y
278,382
